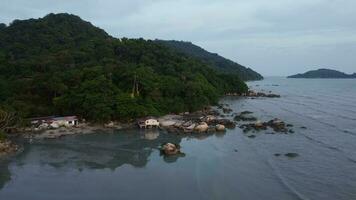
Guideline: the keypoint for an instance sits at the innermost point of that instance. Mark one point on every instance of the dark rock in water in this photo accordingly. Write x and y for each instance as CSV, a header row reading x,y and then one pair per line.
x,y
270,133
254,94
289,125
303,127
276,124
244,117
220,106
251,136
213,113
246,112
291,155
227,110
277,154
235,150
226,122
273,96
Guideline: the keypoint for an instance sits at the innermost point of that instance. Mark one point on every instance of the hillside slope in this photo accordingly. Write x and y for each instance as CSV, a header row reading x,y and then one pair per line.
x,y
216,61
60,64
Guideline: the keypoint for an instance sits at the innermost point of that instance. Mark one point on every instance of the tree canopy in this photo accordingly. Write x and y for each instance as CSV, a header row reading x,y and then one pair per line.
x,y
60,65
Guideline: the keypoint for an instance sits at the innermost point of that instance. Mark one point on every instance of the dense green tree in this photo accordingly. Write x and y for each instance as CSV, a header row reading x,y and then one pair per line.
x,y
61,65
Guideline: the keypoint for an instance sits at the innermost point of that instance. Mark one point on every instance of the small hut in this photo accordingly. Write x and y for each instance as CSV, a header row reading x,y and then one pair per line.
x,y
148,122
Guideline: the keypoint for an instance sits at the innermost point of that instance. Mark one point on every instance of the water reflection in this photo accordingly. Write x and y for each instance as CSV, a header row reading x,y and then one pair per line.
x,y
5,174
98,151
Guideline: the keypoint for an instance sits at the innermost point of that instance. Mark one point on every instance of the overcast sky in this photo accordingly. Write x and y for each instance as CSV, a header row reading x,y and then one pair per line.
x,y
273,37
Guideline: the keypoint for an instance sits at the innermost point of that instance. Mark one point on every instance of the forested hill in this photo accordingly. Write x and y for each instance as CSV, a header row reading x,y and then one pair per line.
x,y
60,65
323,73
216,61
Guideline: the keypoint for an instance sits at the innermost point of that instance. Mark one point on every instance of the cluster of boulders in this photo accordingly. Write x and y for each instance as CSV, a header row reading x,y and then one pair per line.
x,y
202,126
276,124
205,121
7,147
245,116
252,93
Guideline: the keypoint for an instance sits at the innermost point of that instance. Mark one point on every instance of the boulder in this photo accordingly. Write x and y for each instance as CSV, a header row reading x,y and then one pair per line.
x,y
258,124
209,118
54,125
167,123
220,127
170,149
111,124
202,127
43,126
226,122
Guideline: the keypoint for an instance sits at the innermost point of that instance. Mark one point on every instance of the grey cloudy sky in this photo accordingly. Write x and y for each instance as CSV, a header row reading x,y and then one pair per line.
x,y
273,37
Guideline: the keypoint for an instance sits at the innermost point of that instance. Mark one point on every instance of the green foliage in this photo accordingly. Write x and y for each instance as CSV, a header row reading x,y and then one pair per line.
x,y
2,136
214,60
61,65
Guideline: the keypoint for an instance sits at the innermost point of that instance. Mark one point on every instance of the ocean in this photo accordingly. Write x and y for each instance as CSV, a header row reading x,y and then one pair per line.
x,y
232,165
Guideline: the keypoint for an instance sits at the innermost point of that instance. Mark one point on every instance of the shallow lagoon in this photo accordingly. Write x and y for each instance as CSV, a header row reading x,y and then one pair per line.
x,y
128,164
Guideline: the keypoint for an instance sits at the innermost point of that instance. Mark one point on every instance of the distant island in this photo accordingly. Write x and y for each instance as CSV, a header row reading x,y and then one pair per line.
x,y
323,73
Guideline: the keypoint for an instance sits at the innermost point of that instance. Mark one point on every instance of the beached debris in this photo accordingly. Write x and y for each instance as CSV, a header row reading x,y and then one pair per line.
x,y
170,149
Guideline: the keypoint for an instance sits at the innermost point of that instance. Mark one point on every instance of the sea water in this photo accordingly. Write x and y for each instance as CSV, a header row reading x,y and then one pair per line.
x,y
128,164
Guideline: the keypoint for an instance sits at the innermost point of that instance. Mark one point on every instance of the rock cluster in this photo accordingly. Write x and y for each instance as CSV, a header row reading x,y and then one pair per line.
x,y
205,121
7,147
245,116
276,124
252,93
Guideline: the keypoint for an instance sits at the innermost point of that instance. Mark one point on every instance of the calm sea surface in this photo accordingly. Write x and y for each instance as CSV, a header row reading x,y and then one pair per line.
x,y
128,165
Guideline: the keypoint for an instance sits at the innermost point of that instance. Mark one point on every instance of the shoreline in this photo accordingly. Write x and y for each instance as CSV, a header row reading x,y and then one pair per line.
x,y
210,119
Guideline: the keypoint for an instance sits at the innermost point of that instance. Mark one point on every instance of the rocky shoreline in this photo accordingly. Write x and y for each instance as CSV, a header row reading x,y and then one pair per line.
x,y
254,94
7,147
208,120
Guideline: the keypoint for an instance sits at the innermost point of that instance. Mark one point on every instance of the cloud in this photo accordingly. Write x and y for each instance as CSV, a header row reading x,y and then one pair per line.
x,y
286,36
